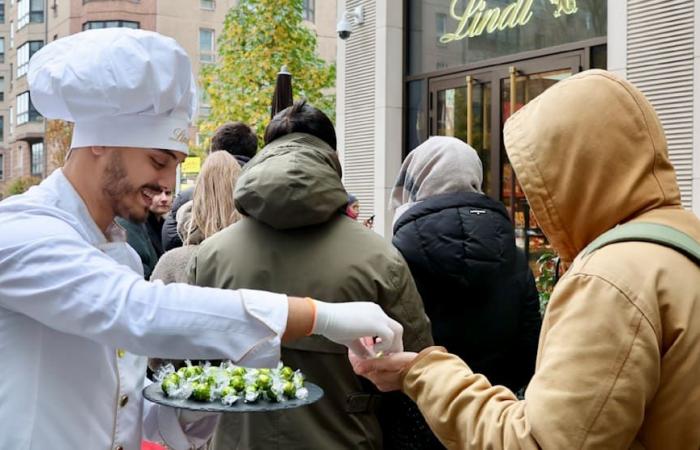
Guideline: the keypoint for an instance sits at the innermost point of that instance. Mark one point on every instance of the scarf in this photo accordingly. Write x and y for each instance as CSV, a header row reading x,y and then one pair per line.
x,y
440,165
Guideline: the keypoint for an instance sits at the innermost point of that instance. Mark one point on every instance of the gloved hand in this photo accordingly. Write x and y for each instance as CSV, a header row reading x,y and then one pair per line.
x,y
346,323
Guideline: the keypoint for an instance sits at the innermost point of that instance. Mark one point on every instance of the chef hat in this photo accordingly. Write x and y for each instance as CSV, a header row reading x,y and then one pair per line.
x,y
121,87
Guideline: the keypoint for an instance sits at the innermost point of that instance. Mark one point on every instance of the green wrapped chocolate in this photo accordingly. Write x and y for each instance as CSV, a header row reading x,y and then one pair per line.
x,y
201,392
286,373
237,382
237,371
264,381
289,390
170,382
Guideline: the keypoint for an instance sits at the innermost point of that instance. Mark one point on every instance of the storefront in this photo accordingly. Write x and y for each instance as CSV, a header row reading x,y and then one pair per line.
x,y
416,68
469,64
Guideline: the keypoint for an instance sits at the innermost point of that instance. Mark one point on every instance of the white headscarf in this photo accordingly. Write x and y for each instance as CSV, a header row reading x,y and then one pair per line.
x,y
440,165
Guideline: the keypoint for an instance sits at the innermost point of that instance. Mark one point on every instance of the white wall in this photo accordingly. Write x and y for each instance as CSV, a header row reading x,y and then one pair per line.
x,y
369,106
656,45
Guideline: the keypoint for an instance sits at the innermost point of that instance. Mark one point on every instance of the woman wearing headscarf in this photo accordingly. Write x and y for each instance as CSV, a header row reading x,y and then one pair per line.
x,y
460,246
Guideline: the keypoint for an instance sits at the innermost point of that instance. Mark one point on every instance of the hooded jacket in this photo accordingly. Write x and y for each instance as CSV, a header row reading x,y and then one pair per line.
x,y
618,358
296,240
475,283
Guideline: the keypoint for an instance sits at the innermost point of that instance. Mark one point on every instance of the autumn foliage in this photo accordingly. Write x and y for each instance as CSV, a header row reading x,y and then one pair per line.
x,y
258,38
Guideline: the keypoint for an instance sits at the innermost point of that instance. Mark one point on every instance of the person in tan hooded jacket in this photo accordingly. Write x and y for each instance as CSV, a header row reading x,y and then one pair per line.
x,y
618,362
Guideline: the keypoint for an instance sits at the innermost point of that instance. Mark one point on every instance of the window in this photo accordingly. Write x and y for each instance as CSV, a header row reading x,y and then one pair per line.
x,y
309,10
12,34
207,4
2,91
204,103
29,11
37,152
2,50
12,121
25,109
2,130
206,45
2,11
95,24
24,53
440,27
2,166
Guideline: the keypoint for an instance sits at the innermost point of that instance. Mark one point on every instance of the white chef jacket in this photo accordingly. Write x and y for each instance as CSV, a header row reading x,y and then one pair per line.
x,y
74,315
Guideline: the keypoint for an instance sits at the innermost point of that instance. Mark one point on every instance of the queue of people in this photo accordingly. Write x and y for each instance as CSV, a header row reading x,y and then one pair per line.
x,y
446,314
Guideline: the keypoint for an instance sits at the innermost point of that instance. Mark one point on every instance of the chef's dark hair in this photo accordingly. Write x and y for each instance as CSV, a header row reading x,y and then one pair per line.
x,y
301,118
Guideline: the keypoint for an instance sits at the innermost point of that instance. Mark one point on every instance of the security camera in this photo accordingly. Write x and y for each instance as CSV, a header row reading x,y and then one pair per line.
x,y
344,27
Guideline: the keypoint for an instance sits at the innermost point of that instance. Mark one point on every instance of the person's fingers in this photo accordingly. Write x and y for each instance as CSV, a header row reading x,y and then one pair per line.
x,y
392,340
359,349
368,341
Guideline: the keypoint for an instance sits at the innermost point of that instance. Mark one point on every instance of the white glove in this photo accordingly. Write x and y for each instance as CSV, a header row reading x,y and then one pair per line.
x,y
346,323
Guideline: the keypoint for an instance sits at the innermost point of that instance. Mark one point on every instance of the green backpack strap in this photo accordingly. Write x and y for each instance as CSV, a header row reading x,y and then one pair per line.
x,y
648,232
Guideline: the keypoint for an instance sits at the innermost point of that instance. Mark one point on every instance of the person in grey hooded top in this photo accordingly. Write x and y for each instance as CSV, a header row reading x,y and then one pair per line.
x,y
294,235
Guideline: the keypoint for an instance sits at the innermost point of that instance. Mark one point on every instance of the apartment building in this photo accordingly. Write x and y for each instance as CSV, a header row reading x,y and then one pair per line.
x,y
26,25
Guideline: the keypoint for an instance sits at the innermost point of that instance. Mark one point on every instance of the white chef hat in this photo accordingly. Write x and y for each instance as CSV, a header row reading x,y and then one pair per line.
x,y
121,87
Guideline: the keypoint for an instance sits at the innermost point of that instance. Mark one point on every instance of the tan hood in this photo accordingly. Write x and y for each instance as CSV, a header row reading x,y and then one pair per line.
x,y
589,153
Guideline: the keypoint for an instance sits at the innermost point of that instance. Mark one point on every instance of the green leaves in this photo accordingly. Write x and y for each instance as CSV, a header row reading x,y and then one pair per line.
x,y
258,38
546,278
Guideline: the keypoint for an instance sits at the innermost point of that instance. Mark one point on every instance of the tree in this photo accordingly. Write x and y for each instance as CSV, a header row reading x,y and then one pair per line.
x,y
20,185
258,38
58,139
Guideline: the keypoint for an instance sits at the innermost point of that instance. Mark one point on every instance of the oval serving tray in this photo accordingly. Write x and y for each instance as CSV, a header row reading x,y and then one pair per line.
x,y
154,393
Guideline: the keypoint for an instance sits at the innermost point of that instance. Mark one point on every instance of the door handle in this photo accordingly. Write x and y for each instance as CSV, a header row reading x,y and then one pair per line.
x,y
470,109
513,89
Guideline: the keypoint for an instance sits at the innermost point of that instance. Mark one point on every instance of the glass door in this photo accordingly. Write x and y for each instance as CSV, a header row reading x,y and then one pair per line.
x,y
463,108
474,105
523,83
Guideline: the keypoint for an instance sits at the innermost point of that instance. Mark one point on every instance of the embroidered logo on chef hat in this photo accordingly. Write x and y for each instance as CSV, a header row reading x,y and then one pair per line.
x,y
121,87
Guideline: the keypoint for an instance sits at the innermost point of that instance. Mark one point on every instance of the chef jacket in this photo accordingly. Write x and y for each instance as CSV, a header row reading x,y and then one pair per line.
x,y
77,319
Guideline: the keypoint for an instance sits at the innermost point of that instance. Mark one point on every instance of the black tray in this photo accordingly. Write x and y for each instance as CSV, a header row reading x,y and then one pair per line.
x,y
155,394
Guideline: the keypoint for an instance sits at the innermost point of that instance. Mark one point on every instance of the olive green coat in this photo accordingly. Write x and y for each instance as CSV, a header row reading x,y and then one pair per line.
x,y
296,241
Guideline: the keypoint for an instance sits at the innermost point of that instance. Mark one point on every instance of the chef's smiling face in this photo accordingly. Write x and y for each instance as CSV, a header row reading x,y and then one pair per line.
x,y
134,176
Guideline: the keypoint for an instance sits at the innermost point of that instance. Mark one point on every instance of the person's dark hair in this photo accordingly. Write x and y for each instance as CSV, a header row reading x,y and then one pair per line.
x,y
301,118
236,138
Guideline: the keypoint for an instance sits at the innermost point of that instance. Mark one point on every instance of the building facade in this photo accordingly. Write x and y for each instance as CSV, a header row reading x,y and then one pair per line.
x,y
26,25
417,68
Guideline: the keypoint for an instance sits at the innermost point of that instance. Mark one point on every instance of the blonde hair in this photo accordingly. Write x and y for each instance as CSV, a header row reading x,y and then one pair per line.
x,y
212,201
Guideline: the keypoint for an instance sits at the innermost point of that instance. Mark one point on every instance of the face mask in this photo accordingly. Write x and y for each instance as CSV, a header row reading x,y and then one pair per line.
x,y
351,213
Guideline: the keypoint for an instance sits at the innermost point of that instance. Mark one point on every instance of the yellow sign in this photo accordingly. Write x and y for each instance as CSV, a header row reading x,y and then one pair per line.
x,y
477,18
191,164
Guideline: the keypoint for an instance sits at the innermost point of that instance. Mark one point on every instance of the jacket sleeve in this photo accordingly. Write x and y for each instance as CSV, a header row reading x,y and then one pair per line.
x,y
70,286
598,367
403,303
524,352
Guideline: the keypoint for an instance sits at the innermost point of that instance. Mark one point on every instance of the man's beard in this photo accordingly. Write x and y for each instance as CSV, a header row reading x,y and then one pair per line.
x,y
119,192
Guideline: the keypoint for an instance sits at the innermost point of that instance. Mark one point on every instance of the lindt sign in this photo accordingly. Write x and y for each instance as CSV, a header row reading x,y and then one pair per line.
x,y
477,18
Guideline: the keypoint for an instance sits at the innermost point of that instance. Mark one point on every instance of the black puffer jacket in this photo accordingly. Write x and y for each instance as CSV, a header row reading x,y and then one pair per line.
x,y
475,283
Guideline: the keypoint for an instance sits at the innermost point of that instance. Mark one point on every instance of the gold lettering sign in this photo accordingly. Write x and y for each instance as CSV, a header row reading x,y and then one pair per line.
x,y
477,19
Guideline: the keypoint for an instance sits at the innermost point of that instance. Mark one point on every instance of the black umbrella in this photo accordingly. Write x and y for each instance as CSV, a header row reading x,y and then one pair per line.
x,y
282,97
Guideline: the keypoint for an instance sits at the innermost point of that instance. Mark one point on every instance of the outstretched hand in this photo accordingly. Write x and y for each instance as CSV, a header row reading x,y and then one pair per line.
x,y
383,371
